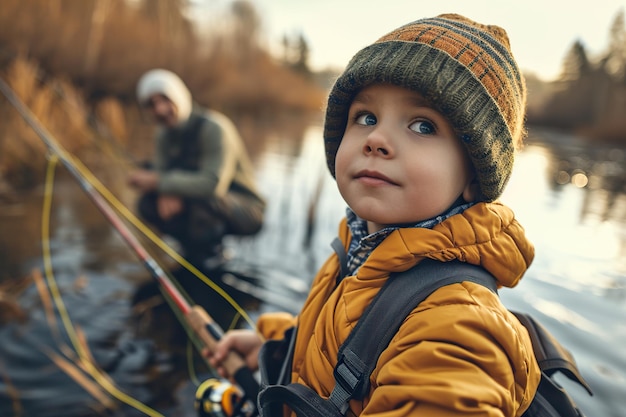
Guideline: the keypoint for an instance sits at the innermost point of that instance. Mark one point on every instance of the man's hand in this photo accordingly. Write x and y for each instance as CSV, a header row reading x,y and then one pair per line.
x,y
169,206
143,179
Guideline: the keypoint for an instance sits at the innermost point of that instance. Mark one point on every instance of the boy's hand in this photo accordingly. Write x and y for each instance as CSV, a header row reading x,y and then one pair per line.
x,y
247,343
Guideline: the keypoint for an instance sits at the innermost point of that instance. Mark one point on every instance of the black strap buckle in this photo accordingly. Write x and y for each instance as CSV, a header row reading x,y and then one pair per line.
x,y
352,382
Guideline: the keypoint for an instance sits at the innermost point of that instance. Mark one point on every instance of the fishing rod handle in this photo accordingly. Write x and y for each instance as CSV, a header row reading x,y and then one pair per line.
x,y
210,333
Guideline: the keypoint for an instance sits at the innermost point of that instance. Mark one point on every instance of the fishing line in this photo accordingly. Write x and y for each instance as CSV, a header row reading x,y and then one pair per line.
x,y
191,370
203,325
153,237
84,357
90,367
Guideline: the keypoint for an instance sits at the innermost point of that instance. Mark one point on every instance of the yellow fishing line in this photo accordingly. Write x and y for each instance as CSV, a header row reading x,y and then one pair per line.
x,y
56,295
192,340
60,152
190,365
130,217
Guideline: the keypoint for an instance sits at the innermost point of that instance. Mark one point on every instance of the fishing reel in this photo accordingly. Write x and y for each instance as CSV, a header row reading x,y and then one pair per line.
x,y
220,398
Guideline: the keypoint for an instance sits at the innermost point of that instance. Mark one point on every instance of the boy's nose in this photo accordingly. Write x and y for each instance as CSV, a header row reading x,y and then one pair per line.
x,y
378,143
381,150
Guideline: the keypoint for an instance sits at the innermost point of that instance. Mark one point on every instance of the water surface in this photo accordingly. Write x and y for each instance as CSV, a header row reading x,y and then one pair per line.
x,y
570,197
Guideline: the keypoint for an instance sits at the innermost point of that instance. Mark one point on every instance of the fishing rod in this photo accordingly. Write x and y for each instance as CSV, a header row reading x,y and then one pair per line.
x,y
203,325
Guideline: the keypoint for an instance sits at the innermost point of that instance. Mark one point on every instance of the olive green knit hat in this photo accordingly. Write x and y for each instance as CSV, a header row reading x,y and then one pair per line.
x,y
465,69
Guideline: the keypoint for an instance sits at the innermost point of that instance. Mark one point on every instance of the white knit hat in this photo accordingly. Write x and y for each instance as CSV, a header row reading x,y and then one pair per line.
x,y
161,81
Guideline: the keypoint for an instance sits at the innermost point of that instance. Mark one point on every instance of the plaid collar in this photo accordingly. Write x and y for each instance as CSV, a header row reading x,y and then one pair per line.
x,y
362,243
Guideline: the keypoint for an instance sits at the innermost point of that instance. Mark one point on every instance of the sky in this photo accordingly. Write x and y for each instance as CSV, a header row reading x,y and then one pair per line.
x,y
541,32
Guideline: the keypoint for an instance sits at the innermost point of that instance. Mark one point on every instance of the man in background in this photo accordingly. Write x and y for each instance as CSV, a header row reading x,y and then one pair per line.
x,y
201,185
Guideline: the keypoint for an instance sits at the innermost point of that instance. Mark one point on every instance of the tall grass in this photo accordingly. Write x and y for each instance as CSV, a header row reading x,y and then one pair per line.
x,y
75,63
56,104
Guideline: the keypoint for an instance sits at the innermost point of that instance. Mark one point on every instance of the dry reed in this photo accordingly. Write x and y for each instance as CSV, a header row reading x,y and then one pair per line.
x,y
76,63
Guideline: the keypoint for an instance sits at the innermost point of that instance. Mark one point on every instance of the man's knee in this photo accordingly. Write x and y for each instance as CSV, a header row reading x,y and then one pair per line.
x,y
246,219
205,224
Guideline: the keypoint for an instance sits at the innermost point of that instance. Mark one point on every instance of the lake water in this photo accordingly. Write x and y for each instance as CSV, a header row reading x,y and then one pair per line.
x,y
570,197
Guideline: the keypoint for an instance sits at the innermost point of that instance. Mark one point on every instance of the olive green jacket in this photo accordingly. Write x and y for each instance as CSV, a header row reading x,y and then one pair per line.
x,y
224,165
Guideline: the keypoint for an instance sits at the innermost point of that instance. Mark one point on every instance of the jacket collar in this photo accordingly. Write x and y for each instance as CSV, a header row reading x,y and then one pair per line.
x,y
485,234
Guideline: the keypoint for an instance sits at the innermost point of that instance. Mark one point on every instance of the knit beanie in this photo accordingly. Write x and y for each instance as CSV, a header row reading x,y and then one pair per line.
x,y
160,81
467,72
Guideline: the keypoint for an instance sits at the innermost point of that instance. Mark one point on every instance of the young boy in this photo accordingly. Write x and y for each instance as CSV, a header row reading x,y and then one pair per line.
x,y
420,134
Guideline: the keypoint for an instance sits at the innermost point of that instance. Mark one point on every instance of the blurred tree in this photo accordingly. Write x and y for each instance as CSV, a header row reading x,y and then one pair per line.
x,y
588,97
616,56
575,64
302,61
96,30
174,32
569,106
296,53
247,25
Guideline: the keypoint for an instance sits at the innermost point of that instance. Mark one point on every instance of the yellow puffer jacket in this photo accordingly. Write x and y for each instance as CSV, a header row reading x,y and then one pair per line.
x,y
460,352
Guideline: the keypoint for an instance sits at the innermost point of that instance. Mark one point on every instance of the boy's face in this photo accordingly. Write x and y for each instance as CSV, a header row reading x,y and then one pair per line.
x,y
400,161
163,111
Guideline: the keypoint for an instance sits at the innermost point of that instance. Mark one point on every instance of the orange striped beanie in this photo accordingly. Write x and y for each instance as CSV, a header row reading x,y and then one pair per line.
x,y
465,69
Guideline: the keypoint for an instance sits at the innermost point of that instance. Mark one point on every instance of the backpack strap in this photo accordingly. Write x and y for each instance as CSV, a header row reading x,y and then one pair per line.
x,y
401,293
551,399
381,320
550,354
337,246
357,356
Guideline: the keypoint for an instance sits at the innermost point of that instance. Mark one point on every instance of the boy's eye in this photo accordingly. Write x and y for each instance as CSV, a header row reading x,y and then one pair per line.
x,y
366,119
422,127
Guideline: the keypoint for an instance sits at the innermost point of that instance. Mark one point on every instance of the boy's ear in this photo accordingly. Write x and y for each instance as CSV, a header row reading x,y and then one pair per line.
x,y
470,193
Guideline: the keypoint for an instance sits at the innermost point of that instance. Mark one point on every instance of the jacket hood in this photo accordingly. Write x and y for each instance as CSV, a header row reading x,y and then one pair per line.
x,y
486,234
